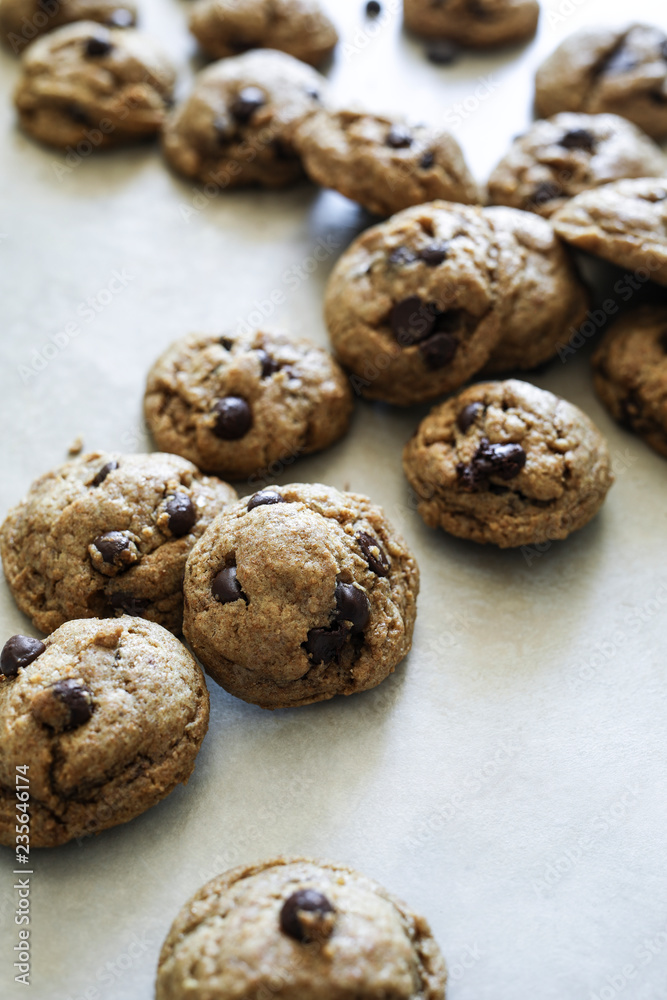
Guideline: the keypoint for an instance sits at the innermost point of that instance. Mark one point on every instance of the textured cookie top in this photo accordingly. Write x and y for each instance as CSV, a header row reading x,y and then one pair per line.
x,y
411,304
322,930
85,76
600,69
383,163
474,22
299,27
298,593
20,20
236,126
98,705
559,157
235,403
108,534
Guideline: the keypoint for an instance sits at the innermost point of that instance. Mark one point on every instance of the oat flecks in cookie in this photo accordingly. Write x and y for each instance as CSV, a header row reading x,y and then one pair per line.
x,y
85,79
294,601
602,69
240,404
383,164
109,718
474,23
560,157
509,464
299,27
320,929
219,138
625,223
108,534
630,373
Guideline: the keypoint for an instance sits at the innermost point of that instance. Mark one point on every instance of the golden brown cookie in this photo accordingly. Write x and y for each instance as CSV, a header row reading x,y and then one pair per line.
x,y
23,20
474,23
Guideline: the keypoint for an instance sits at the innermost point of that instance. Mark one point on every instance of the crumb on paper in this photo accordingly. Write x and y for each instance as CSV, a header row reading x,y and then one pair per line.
x,y
76,446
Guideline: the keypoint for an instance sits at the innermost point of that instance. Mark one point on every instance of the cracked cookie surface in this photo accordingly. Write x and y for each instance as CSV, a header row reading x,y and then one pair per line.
x,y
299,27
630,373
85,80
474,23
236,404
412,304
560,157
109,715
237,125
299,593
321,929
625,223
23,20
108,534
509,464
603,69
382,163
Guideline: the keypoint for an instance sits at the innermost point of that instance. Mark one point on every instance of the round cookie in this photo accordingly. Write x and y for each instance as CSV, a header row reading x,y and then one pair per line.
x,y
108,534
382,163
411,304
23,20
474,23
299,593
237,125
299,27
321,930
630,373
603,69
109,717
562,156
542,294
509,464
236,404
625,223
107,86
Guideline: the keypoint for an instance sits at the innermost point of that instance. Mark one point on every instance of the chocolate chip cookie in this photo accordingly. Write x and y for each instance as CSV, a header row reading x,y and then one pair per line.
x,y
321,930
299,27
108,534
383,163
299,593
474,23
23,20
237,125
562,156
105,86
601,69
236,404
624,223
109,717
509,464
542,295
630,373
411,306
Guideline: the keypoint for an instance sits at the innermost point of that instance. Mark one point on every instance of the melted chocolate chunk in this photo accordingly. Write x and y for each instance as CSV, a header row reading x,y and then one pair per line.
x,y
324,645
264,497
77,699
103,473
374,554
18,652
226,588
505,461
352,605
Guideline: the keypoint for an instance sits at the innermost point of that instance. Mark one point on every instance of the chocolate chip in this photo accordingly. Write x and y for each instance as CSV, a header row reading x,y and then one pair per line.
x,y
352,605
373,8
130,605
313,93
411,319
546,191
427,160
264,497
468,416
227,343
226,588
399,137
438,350
103,473
121,18
579,138
19,651
77,699
111,545
442,52
269,365
246,103
77,114
98,45
324,645
182,514
433,254
293,919
402,255
375,557
621,60
502,460
233,418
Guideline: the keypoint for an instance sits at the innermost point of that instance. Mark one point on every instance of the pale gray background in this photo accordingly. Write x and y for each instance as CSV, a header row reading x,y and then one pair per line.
x,y
524,737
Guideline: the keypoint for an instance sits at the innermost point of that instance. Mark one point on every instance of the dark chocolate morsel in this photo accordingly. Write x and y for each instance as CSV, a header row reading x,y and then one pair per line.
x,y
77,114
264,497
111,544
374,554
269,365
308,901
98,45
226,588
233,418
579,138
468,416
546,191
103,473
182,514
399,137
77,699
324,645
246,103
352,605
433,254
19,651
505,461
373,8
411,320
438,350
130,605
